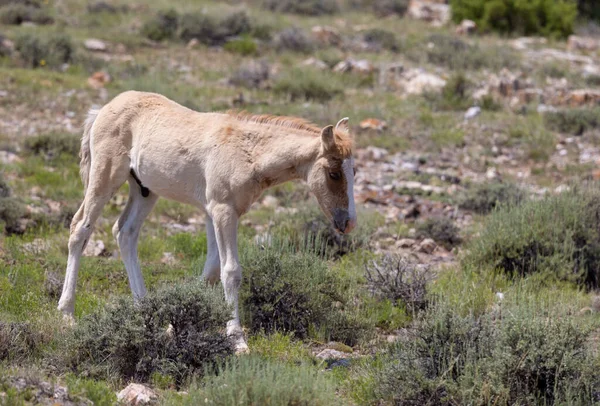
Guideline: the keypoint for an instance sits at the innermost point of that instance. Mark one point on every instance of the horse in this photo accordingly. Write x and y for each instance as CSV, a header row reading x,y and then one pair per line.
x,y
220,163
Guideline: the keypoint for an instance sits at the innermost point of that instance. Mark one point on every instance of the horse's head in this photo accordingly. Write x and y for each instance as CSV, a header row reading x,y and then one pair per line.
x,y
331,177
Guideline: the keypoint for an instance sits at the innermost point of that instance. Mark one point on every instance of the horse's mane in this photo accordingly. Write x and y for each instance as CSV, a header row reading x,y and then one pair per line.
x,y
343,139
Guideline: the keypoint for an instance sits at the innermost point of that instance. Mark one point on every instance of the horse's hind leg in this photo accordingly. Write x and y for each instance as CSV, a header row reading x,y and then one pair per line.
x,y
127,230
212,266
106,176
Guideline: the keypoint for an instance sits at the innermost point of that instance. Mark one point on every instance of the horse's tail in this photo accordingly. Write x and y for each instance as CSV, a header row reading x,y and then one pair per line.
x,y
85,152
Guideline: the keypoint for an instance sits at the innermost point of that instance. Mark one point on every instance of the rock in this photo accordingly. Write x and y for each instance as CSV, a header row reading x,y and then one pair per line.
x,y
472,112
351,65
405,243
326,36
315,63
98,80
7,157
95,45
542,108
466,27
583,97
500,296
435,13
418,82
376,154
373,124
427,246
491,173
37,246
136,394
270,201
330,353
527,96
193,43
168,258
576,43
94,248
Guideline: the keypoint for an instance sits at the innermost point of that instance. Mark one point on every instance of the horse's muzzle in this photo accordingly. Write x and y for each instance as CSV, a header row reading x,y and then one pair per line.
x,y
342,221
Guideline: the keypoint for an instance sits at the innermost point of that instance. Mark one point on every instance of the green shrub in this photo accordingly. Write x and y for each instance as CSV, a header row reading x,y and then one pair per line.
x,y
53,50
381,38
162,27
295,292
519,356
385,8
456,54
589,9
248,381
294,39
4,188
303,7
573,121
18,341
441,229
212,30
53,145
536,17
132,341
485,197
244,45
557,237
454,95
16,14
11,211
308,84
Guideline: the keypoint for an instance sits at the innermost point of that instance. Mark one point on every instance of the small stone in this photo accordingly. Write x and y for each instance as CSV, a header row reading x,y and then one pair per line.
x,y
330,353
376,154
466,27
136,394
270,201
427,246
94,248
472,112
7,157
193,43
37,246
405,243
95,45
168,258
326,35
500,296
315,63
99,79
373,124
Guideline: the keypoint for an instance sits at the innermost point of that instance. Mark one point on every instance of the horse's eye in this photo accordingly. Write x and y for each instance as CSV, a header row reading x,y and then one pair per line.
x,y
335,175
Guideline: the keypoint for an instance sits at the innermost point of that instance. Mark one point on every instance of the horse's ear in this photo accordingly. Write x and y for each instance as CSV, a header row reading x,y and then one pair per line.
x,y
342,125
327,138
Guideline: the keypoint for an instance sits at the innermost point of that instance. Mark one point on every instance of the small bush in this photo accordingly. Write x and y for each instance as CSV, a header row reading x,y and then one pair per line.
x,y
539,17
53,50
484,197
212,30
251,74
381,38
454,95
244,45
132,340
248,381
162,27
4,188
385,8
303,7
294,39
15,14
573,121
396,279
296,293
557,237
18,341
53,145
456,54
441,229
104,7
589,9
521,357
308,84
11,211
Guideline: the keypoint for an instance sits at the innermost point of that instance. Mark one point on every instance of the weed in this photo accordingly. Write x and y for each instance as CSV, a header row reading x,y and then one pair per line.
x,y
303,7
37,51
307,84
244,45
16,14
251,380
294,39
397,279
454,95
133,341
162,27
485,197
381,38
51,146
557,237
573,121
441,229
11,211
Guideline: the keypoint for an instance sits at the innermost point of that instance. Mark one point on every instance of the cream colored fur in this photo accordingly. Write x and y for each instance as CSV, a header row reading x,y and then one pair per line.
x,y
219,162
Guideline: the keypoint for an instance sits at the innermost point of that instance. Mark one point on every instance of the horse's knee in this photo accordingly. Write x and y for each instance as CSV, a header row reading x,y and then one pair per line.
x,y
231,277
79,236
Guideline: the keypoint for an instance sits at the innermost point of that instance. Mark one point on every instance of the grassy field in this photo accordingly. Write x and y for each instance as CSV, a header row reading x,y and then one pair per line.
x,y
503,309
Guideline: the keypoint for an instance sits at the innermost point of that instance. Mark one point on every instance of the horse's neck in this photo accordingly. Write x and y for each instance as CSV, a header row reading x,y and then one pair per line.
x,y
288,158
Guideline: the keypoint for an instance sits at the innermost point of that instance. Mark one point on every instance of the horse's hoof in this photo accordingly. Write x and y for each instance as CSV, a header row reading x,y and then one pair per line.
x,y
68,319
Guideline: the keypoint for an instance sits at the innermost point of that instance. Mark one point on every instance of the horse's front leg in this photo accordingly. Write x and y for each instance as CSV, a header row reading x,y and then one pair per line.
x,y
225,221
212,266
